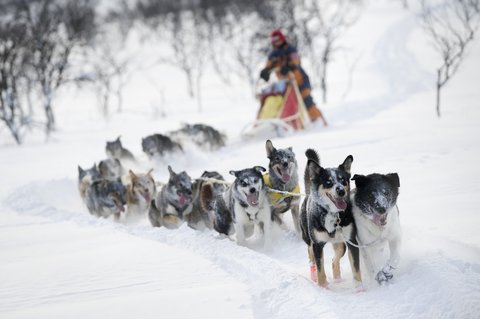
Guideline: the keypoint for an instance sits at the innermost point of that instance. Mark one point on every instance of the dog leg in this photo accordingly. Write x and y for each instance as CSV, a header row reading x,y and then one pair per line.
x,y
267,236
240,231
296,219
317,249
339,253
354,258
385,274
313,268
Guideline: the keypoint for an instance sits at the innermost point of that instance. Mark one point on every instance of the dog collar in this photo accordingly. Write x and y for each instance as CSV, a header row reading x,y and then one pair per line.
x,y
275,197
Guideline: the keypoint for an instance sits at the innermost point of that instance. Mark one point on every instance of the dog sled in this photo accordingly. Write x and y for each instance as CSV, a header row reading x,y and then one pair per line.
x,y
282,110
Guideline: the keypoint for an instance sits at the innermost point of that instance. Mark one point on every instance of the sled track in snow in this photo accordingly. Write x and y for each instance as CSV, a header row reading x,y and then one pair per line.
x,y
424,287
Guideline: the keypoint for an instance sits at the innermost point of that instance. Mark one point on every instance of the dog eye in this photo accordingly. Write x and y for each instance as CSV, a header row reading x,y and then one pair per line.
x,y
328,183
243,184
255,180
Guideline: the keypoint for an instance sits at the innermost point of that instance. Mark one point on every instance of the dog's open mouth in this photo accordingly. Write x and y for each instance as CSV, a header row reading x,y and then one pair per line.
x,y
183,199
147,197
379,219
339,202
252,199
284,173
119,205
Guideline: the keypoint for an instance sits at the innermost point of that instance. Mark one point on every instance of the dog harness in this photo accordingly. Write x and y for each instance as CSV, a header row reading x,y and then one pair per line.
x,y
275,196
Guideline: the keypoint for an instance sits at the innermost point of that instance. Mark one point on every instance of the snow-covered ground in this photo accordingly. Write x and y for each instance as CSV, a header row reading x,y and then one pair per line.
x,y
57,261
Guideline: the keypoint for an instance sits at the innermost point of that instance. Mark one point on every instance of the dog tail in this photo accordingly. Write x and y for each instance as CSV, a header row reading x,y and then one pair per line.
x,y
311,155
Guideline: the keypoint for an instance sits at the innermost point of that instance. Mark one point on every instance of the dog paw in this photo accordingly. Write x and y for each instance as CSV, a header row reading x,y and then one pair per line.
x,y
383,277
338,280
359,287
313,273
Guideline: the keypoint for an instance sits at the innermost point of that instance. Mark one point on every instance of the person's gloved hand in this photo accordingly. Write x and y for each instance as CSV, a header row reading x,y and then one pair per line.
x,y
265,74
284,69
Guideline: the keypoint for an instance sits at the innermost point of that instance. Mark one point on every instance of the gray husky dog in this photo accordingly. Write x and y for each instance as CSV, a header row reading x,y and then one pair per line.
x,y
140,191
244,207
283,176
173,203
105,198
202,135
326,217
159,145
205,189
374,207
86,177
110,168
115,149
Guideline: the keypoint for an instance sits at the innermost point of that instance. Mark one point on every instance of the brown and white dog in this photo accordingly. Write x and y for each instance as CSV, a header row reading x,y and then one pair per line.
x,y
140,192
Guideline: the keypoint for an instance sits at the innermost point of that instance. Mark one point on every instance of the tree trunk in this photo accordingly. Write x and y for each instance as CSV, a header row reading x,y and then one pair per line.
x,y
439,87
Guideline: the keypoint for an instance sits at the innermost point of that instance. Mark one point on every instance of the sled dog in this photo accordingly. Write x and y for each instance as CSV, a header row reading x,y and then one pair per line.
x,y
374,206
110,168
159,145
202,135
245,206
140,192
105,198
283,176
205,190
85,178
115,149
173,203
326,217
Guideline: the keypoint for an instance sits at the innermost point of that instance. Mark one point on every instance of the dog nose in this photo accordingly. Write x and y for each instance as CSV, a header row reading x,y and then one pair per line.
x,y
380,209
252,190
340,191
285,164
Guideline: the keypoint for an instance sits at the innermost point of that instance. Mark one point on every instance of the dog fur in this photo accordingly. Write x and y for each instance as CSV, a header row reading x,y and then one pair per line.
x,y
244,207
115,149
140,192
202,135
158,145
283,176
204,193
173,203
110,168
105,198
374,206
325,208
85,178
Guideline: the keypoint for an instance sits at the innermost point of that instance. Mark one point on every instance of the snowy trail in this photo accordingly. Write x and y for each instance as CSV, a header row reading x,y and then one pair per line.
x,y
277,282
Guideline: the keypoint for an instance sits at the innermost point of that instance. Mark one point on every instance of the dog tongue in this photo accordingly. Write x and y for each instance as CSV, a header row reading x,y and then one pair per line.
x,y
285,176
183,200
341,204
379,220
252,199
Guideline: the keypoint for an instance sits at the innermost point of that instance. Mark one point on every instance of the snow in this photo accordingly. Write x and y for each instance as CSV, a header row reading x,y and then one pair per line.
x,y
58,261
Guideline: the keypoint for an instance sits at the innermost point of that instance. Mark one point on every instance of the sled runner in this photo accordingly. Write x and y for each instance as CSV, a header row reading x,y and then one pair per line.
x,y
282,110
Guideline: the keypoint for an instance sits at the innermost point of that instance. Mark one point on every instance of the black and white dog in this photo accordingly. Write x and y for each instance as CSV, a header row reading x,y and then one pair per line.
x,y
86,177
326,217
375,211
205,190
159,145
204,136
173,203
283,176
244,207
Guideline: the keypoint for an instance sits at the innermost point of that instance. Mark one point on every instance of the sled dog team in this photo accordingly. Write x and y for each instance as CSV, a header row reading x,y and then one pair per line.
x,y
362,220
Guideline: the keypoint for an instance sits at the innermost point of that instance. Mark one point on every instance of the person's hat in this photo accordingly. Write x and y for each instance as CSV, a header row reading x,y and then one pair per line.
x,y
277,36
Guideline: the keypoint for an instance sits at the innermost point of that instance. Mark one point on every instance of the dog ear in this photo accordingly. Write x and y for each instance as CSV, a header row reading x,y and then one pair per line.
x,y
360,180
80,170
150,171
234,173
313,169
270,148
260,169
347,164
132,174
170,170
393,177
312,155
118,138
